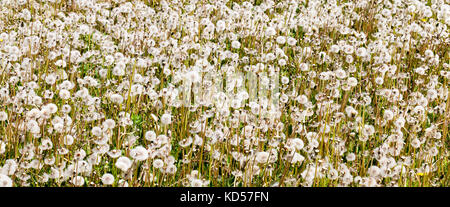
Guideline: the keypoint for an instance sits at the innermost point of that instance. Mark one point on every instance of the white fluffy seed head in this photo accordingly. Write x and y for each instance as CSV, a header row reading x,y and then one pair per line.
x,y
97,131
52,107
297,158
123,163
270,31
3,116
335,48
379,80
5,181
64,94
116,98
388,115
68,139
166,119
351,157
429,53
196,182
107,179
139,153
361,52
235,44
77,181
109,124
291,41
262,157
340,73
298,143
281,40
158,163
150,136
352,81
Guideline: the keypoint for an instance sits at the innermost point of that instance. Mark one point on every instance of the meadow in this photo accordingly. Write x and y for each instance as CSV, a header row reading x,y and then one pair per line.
x,y
231,93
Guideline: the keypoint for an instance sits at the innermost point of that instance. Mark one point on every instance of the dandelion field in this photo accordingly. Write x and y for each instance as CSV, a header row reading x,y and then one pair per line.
x,y
225,93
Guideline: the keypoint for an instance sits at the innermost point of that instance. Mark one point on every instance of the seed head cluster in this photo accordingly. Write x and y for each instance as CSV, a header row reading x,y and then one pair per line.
x,y
224,93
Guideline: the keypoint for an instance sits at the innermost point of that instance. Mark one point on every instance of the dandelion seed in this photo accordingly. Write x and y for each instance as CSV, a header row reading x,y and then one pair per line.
x,y
298,143
373,171
220,25
379,80
341,74
96,131
429,53
291,41
77,181
5,181
3,116
262,157
107,179
123,163
2,147
415,143
335,48
52,108
116,98
68,140
171,169
420,70
166,119
139,153
109,124
114,153
158,163
80,154
282,62
304,67
351,157
348,49
196,183
352,81
297,158
64,94
235,44
123,183
388,115
150,136
281,40
361,52
270,31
